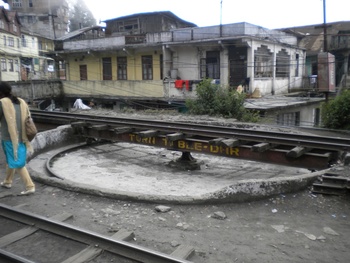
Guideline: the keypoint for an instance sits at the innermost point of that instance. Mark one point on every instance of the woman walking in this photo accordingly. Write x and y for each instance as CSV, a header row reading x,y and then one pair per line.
x,y
13,113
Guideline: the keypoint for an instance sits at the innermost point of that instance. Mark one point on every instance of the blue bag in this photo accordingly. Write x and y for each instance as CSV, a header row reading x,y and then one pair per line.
x,y
21,154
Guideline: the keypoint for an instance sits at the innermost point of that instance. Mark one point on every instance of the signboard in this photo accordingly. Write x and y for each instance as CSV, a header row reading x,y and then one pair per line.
x,y
326,72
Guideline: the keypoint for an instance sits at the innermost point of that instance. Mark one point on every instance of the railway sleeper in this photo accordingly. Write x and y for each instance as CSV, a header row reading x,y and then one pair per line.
x,y
116,244
268,152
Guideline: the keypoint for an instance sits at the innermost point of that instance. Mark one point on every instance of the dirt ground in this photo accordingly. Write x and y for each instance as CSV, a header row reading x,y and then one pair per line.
x,y
297,227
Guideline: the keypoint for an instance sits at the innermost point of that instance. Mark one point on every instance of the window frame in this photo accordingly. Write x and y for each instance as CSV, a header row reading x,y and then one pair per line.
x,y
107,68
122,68
83,72
24,41
3,64
16,65
11,41
288,119
147,67
17,3
10,65
263,62
282,64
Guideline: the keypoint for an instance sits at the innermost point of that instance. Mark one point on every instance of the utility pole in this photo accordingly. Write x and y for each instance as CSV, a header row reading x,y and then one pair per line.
x,y
325,45
221,18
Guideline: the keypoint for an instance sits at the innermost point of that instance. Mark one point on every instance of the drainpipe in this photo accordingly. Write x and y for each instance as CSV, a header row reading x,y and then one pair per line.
x,y
325,46
274,70
289,75
251,68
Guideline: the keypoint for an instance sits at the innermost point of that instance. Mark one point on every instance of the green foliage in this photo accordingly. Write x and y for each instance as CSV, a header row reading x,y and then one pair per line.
x,y
213,99
336,113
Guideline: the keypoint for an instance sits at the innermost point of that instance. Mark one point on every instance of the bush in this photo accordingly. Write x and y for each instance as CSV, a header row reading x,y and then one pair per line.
x,y
335,113
212,99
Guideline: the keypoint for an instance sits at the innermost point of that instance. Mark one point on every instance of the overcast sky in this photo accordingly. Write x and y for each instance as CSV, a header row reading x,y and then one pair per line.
x,y
266,13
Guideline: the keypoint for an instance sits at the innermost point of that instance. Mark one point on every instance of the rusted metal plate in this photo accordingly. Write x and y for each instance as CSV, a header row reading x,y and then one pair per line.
x,y
275,156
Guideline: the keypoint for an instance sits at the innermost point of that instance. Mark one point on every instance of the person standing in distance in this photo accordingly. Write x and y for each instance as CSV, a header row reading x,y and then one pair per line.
x,y
14,141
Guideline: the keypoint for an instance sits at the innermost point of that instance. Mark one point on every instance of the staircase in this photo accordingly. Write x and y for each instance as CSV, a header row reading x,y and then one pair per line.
x,y
332,184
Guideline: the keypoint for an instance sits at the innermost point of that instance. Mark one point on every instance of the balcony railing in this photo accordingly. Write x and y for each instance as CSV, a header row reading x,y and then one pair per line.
x,y
135,39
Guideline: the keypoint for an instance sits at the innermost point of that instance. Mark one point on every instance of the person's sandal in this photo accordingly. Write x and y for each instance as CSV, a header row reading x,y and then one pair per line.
x,y
28,192
5,185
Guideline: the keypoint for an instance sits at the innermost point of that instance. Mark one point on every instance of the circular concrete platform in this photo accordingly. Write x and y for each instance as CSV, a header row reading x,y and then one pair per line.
x,y
142,173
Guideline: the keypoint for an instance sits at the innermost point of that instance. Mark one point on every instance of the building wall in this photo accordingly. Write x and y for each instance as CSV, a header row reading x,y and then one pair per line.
x,y
143,23
306,113
277,85
152,89
95,69
9,52
36,17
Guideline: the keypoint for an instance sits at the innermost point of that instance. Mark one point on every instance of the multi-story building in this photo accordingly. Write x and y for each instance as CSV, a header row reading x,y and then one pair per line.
x,y
135,60
23,55
337,42
49,18
10,45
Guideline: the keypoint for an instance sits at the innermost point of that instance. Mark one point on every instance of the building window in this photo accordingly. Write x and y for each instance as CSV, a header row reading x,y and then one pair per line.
x,y
18,43
3,64
83,72
263,62
147,67
17,3
2,25
5,41
30,20
107,68
40,44
16,65
282,64
30,3
131,26
210,66
11,41
11,68
33,42
24,42
289,119
122,68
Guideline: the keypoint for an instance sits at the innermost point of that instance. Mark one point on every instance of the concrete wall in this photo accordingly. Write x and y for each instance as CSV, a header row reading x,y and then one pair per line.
x,y
277,85
37,89
306,110
95,69
102,43
110,89
229,30
49,140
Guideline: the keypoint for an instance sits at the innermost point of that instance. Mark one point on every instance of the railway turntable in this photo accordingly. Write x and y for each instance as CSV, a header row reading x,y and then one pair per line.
x,y
137,171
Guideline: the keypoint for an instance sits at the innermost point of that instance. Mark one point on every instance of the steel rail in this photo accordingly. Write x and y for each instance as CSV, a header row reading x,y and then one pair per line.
x,y
209,131
118,247
7,257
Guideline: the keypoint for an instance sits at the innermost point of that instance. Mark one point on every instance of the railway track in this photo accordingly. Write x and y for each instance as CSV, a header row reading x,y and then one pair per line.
x,y
22,230
300,150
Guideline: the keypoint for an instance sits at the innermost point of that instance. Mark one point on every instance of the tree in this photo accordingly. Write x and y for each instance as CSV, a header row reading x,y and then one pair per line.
x,y
80,16
336,113
213,99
